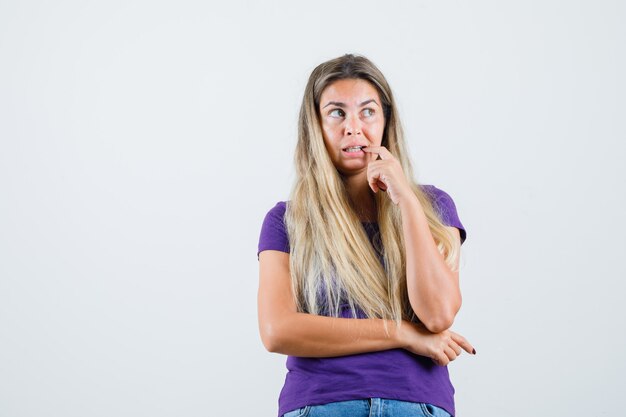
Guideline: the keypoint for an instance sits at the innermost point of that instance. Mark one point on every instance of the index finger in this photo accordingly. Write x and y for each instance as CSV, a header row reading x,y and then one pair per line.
x,y
461,341
380,150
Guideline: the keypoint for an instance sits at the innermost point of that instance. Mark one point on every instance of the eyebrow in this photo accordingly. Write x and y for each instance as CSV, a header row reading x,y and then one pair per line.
x,y
340,104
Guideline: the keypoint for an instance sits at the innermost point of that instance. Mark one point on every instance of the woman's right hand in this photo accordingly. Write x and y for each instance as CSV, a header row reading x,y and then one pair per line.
x,y
442,347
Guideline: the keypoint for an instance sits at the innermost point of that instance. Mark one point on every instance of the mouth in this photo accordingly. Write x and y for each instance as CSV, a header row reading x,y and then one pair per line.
x,y
353,149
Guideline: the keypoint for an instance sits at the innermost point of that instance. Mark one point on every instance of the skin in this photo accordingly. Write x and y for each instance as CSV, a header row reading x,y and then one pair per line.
x,y
433,288
351,112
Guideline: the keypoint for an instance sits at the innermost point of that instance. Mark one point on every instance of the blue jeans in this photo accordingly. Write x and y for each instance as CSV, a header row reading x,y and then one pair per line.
x,y
372,407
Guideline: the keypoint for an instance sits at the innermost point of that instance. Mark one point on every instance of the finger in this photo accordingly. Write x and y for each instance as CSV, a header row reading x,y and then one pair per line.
x,y
456,348
467,346
441,359
374,179
380,150
376,176
450,353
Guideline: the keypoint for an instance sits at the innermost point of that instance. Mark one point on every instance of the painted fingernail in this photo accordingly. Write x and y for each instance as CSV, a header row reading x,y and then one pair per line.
x,y
473,351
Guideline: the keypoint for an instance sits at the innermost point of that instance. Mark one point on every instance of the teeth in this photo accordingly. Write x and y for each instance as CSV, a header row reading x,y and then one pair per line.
x,y
354,149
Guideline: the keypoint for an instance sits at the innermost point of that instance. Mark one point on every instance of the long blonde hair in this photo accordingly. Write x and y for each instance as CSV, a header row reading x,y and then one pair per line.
x,y
331,258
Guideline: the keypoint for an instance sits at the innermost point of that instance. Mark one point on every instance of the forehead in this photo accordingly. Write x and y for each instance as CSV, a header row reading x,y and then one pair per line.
x,y
349,91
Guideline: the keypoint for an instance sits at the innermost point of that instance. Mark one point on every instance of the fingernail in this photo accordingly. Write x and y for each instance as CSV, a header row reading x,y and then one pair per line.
x,y
473,351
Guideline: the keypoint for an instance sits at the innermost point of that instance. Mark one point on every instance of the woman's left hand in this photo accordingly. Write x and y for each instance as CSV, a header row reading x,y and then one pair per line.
x,y
386,174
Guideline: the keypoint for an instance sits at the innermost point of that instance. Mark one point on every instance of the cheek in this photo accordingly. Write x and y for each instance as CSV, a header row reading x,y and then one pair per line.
x,y
330,131
330,136
375,133
328,145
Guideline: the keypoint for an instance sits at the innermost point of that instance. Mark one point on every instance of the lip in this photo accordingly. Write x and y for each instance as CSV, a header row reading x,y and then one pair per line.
x,y
357,154
350,145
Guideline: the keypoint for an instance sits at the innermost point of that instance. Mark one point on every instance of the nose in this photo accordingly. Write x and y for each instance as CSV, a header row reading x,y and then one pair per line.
x,y
353,126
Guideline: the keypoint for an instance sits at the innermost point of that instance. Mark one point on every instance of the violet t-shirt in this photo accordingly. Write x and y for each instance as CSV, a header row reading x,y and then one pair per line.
x,y
394,374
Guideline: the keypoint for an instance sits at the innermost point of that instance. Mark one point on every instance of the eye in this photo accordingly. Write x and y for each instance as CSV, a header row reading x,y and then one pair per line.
x,y
336,113
368,112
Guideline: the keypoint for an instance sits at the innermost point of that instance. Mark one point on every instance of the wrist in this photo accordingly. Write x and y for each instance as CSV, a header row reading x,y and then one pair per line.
x,y
400,335
409,202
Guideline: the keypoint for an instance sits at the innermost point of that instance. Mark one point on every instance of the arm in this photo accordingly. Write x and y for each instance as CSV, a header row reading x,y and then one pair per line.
x,y
433,288
284,330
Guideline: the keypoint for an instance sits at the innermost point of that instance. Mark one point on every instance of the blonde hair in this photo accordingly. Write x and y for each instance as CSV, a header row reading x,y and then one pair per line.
x,y
330,254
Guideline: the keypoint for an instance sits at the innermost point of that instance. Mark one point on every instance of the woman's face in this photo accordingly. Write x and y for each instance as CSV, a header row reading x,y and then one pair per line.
x,y
352,116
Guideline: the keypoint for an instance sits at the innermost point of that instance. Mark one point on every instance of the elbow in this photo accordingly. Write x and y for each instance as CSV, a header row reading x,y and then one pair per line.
x,y
271,337
438,324
442,320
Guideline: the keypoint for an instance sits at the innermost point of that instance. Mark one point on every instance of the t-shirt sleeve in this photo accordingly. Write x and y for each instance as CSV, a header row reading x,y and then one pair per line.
x,y
274,230
447,209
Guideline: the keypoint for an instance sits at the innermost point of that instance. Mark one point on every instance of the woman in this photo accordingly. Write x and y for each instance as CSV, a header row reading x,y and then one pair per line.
x,y
360,240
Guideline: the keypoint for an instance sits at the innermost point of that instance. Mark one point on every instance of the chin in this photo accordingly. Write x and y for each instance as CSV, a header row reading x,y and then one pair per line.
x,y
351,170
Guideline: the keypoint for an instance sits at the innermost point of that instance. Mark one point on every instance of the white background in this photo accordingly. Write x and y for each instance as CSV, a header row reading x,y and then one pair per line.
x,y
142,143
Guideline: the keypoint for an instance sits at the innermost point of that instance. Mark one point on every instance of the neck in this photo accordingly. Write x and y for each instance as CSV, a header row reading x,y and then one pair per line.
x,y
361,196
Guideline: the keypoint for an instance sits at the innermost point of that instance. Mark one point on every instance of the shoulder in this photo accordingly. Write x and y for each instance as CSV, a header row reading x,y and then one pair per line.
x,y
277,213
434,192
274,230
275,217
445,206
441,199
